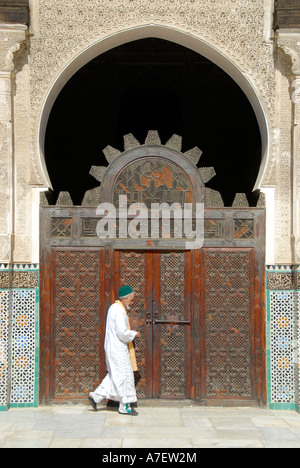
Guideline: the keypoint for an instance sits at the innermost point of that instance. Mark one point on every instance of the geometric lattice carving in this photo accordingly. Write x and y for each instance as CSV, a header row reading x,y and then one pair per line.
x,y
133,272
134,268
61,227
89,227
172,363
214,228
77,321
227,321
243,228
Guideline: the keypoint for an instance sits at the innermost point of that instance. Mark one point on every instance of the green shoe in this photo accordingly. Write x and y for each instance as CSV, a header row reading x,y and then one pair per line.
x,y
129,411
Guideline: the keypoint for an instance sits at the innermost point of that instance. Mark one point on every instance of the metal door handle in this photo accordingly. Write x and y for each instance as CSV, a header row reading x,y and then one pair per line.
x,y
172,322
149,317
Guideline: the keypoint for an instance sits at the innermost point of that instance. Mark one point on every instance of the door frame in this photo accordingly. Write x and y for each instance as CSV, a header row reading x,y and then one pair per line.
x,y
221,231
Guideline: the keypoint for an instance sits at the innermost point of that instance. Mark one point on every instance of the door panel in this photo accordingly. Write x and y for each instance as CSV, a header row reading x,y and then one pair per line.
x,y
228,323
135,268
161,312
172,327
77,322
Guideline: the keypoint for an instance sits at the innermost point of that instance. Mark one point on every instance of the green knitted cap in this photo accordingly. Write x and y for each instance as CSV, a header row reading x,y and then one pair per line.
x,y
125,290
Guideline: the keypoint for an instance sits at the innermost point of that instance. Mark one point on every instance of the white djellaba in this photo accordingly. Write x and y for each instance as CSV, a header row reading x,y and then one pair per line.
x,y
118,385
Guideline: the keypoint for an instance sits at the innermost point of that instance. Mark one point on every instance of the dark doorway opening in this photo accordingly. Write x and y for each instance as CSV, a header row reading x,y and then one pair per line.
x,y
152,84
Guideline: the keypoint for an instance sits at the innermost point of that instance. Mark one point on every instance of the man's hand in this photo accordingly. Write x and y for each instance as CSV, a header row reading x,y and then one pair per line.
x,y
138,335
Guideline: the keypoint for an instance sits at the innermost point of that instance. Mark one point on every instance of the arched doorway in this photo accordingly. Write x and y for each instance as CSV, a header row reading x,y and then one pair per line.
x,y
215,330
153,84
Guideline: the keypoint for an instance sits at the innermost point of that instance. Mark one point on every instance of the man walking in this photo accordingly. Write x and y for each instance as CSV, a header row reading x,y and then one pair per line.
x,y
118,385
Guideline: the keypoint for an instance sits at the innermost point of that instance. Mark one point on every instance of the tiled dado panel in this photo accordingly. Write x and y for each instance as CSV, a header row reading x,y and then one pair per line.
x,y
4,307
283,337
19,335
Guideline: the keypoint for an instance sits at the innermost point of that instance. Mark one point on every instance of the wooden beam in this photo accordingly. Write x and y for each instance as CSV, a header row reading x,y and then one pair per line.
x,y
14,11
287,14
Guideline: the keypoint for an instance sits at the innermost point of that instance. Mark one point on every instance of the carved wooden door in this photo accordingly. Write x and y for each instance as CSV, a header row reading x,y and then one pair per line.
x,y
232,363
73,323
200,313
161,312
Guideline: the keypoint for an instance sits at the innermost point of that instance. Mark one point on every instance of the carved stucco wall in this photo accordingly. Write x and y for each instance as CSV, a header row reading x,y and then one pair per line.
x,y
11,41
62,31
288,60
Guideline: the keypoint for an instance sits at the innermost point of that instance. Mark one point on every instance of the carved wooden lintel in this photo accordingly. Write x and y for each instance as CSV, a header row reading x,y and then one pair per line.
x,y
14,11
287,14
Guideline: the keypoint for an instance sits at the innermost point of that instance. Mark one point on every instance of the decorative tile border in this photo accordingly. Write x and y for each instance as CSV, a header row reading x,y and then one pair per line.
x,y
25,351
19,336
4,308
297,349
282,337
281,332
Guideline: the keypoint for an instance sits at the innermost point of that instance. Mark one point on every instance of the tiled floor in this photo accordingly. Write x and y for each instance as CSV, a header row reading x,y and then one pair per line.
x,y
167,426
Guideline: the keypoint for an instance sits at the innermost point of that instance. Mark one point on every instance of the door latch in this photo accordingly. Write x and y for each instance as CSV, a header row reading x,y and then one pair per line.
x,y
172,323
149,318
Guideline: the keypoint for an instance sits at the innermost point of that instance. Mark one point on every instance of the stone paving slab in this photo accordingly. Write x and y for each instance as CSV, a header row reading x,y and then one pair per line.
x,y
173,427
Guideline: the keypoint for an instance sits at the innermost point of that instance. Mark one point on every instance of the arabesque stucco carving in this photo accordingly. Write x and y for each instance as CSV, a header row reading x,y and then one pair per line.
x,y
67,28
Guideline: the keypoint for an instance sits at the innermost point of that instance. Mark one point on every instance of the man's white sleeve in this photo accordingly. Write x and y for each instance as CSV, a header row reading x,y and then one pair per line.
x,y
122,331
